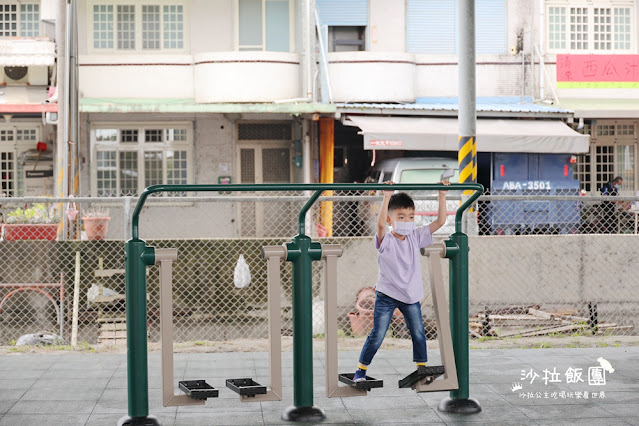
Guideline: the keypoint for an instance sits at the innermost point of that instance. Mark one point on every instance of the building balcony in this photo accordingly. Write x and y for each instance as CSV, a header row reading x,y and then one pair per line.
x,y
246,76
139,76
215,77
372,76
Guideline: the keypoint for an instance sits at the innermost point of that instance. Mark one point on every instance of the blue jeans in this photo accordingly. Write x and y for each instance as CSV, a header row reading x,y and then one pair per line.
x,y
384,308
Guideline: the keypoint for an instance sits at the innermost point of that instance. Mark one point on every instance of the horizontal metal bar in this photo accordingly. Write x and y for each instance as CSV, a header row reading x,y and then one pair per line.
x,y
585,199
301,198
305,187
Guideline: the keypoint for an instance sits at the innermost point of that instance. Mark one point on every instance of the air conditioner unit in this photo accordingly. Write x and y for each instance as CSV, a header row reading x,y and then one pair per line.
x,y
34,76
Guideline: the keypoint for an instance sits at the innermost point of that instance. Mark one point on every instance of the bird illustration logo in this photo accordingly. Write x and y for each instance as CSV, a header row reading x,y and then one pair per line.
x,y
605,365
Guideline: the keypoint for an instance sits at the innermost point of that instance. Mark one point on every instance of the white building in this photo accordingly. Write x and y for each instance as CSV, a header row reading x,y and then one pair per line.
x,y
27,70
195,91
405,64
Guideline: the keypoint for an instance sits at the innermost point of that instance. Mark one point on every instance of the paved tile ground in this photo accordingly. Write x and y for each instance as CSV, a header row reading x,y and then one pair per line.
x,y
90,389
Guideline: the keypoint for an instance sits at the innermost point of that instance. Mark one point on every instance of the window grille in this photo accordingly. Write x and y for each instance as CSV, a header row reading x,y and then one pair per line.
x,y
150,27
264,131
605,165
7,173
173,27
622,28
107,174
276,165
126,27
29,20
141,25
127,162
557,27
602,31
606,130
579,28
247,160
26,134
103,26
129,135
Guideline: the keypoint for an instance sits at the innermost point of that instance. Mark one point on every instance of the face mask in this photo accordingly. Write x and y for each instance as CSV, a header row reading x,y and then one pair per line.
x,y
404,228
617,186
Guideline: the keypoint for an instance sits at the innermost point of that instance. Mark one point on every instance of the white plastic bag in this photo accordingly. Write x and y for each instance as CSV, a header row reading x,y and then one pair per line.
x,y
242,276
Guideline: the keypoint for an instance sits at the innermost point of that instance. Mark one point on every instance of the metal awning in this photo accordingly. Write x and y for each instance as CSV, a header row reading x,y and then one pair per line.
x,y
26,52
25,100
440,134
179,105
603,108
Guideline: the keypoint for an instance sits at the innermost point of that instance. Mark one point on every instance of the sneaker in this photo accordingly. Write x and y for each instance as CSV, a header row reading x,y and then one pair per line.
x,y
360,375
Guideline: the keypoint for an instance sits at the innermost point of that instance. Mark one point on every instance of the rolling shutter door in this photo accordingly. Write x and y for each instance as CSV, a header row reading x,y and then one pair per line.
x,y
431,26
343,12
490,27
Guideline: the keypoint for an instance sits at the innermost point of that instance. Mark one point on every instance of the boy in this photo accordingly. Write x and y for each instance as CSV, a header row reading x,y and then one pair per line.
x,y
399,281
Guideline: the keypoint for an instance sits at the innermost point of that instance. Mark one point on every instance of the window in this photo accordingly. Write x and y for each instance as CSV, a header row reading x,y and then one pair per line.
x,y
20,20
263,25
612,153
431,26
622,28
126,27
346,39
8,176
130,159
151,27
14,142
602,29
557,27
136,26
580,27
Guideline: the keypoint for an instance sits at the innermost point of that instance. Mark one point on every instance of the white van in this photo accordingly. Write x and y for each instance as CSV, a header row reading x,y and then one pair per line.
x,y
422,170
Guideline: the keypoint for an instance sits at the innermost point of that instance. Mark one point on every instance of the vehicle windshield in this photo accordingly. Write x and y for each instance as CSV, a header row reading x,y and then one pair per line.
x,y
425,176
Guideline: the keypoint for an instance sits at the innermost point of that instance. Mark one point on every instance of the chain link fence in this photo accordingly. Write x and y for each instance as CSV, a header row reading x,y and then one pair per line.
x,y
539,264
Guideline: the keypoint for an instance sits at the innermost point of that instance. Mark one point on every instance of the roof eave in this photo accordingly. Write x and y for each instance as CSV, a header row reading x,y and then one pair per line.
x,y
452,113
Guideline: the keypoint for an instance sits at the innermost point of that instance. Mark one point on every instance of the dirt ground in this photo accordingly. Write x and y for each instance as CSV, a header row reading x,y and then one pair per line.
x,y
345,344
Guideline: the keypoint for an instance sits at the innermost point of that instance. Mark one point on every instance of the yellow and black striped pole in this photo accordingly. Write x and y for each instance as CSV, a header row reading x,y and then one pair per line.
x,y
466,158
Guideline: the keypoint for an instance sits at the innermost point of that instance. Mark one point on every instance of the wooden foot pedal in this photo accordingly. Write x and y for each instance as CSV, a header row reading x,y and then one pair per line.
x,y
245,387
423,372
366,385
198,389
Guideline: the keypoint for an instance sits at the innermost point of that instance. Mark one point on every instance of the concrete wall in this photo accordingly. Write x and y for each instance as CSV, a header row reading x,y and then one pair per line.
x,y
549,270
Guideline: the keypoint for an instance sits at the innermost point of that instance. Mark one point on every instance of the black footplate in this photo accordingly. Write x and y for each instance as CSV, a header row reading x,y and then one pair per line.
x,y
245,387
366,385
198,389
423,372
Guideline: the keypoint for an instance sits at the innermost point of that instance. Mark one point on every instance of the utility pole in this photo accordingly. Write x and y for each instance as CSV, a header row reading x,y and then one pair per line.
x,y
459,400
61,186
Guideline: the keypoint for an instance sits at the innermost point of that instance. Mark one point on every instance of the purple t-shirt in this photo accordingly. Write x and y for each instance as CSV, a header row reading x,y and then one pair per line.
x,y
400,273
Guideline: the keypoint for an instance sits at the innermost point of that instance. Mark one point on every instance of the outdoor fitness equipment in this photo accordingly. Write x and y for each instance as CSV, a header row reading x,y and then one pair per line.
x,y
301,251
197,391
424,378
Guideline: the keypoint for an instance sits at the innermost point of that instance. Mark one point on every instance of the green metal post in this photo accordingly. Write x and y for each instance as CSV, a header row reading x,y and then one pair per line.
x,y
459,313
138,256
459,401
302,252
